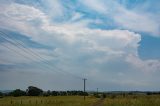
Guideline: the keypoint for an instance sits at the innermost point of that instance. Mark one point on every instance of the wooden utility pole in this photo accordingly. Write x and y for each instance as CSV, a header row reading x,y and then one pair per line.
x,y
84,88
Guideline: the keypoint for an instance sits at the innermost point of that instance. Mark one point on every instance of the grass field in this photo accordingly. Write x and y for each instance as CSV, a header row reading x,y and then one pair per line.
x,y
47,101
133,100
129,100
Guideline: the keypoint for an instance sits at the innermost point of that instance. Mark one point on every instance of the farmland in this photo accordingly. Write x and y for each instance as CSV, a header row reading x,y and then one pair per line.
x,y
133,100
47,101
113,100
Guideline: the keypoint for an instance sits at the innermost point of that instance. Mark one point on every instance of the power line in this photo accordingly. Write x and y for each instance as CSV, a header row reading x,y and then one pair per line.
x,y
2,44
33,53
14,50
46,63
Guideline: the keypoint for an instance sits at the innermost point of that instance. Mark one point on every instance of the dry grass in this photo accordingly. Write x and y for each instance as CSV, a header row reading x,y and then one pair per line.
x,y
140,100
129,100
47,101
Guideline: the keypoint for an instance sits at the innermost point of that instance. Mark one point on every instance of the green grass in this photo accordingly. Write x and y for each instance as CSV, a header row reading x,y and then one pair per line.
x,y
128,100
47,101
140,100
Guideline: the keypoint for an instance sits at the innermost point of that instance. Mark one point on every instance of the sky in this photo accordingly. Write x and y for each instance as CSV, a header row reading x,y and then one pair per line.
x,y
54,44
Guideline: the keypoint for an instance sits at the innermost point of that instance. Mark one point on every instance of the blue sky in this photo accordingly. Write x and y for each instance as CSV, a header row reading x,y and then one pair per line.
x,y
52,44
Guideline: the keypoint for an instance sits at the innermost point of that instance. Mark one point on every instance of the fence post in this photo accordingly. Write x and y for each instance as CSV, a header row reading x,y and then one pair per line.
x,y
29,101
36,102
11,102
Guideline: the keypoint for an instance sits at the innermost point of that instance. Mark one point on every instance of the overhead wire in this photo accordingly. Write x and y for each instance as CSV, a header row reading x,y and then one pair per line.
x,y
21,46
19,53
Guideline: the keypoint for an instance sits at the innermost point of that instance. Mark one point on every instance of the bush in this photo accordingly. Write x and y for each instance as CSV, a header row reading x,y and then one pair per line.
x,y
96,95
113,96
103,95
17,93
34,91
1,94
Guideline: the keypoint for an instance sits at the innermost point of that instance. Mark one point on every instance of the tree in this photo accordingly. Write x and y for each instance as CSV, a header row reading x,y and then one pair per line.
x,y
17,93
54,93
48,93
103,95
1,94
34,91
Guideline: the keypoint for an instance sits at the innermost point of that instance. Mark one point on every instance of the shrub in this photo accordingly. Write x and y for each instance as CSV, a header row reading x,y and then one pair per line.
x,y
34,91
17,93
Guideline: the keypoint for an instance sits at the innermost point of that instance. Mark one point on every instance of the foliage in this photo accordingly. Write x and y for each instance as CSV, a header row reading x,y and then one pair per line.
x,y
96,95
34,91
17,93
103,95
65,93
1,94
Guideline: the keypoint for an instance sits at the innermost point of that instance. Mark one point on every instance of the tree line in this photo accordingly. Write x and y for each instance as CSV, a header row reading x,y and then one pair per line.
x,y
35,91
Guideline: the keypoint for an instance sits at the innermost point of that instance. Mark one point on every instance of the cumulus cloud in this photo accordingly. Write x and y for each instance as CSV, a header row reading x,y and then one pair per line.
x,y
21,17
54,8
142,22
95,5
86,50
100,43
10,52
132,19
144,65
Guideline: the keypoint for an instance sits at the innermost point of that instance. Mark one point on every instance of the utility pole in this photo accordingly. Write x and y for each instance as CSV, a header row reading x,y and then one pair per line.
x,y
97,91
84,88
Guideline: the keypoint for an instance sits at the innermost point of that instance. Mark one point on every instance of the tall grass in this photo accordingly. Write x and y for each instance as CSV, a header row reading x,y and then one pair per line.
x,y
47,101
133,100
112,100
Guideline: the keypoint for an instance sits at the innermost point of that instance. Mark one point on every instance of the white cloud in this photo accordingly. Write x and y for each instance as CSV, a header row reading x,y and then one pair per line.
x,y
143,65
53,8
11,54
97,5
78,47
132,83
76,16
21,17
102,44
141,22
136,20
